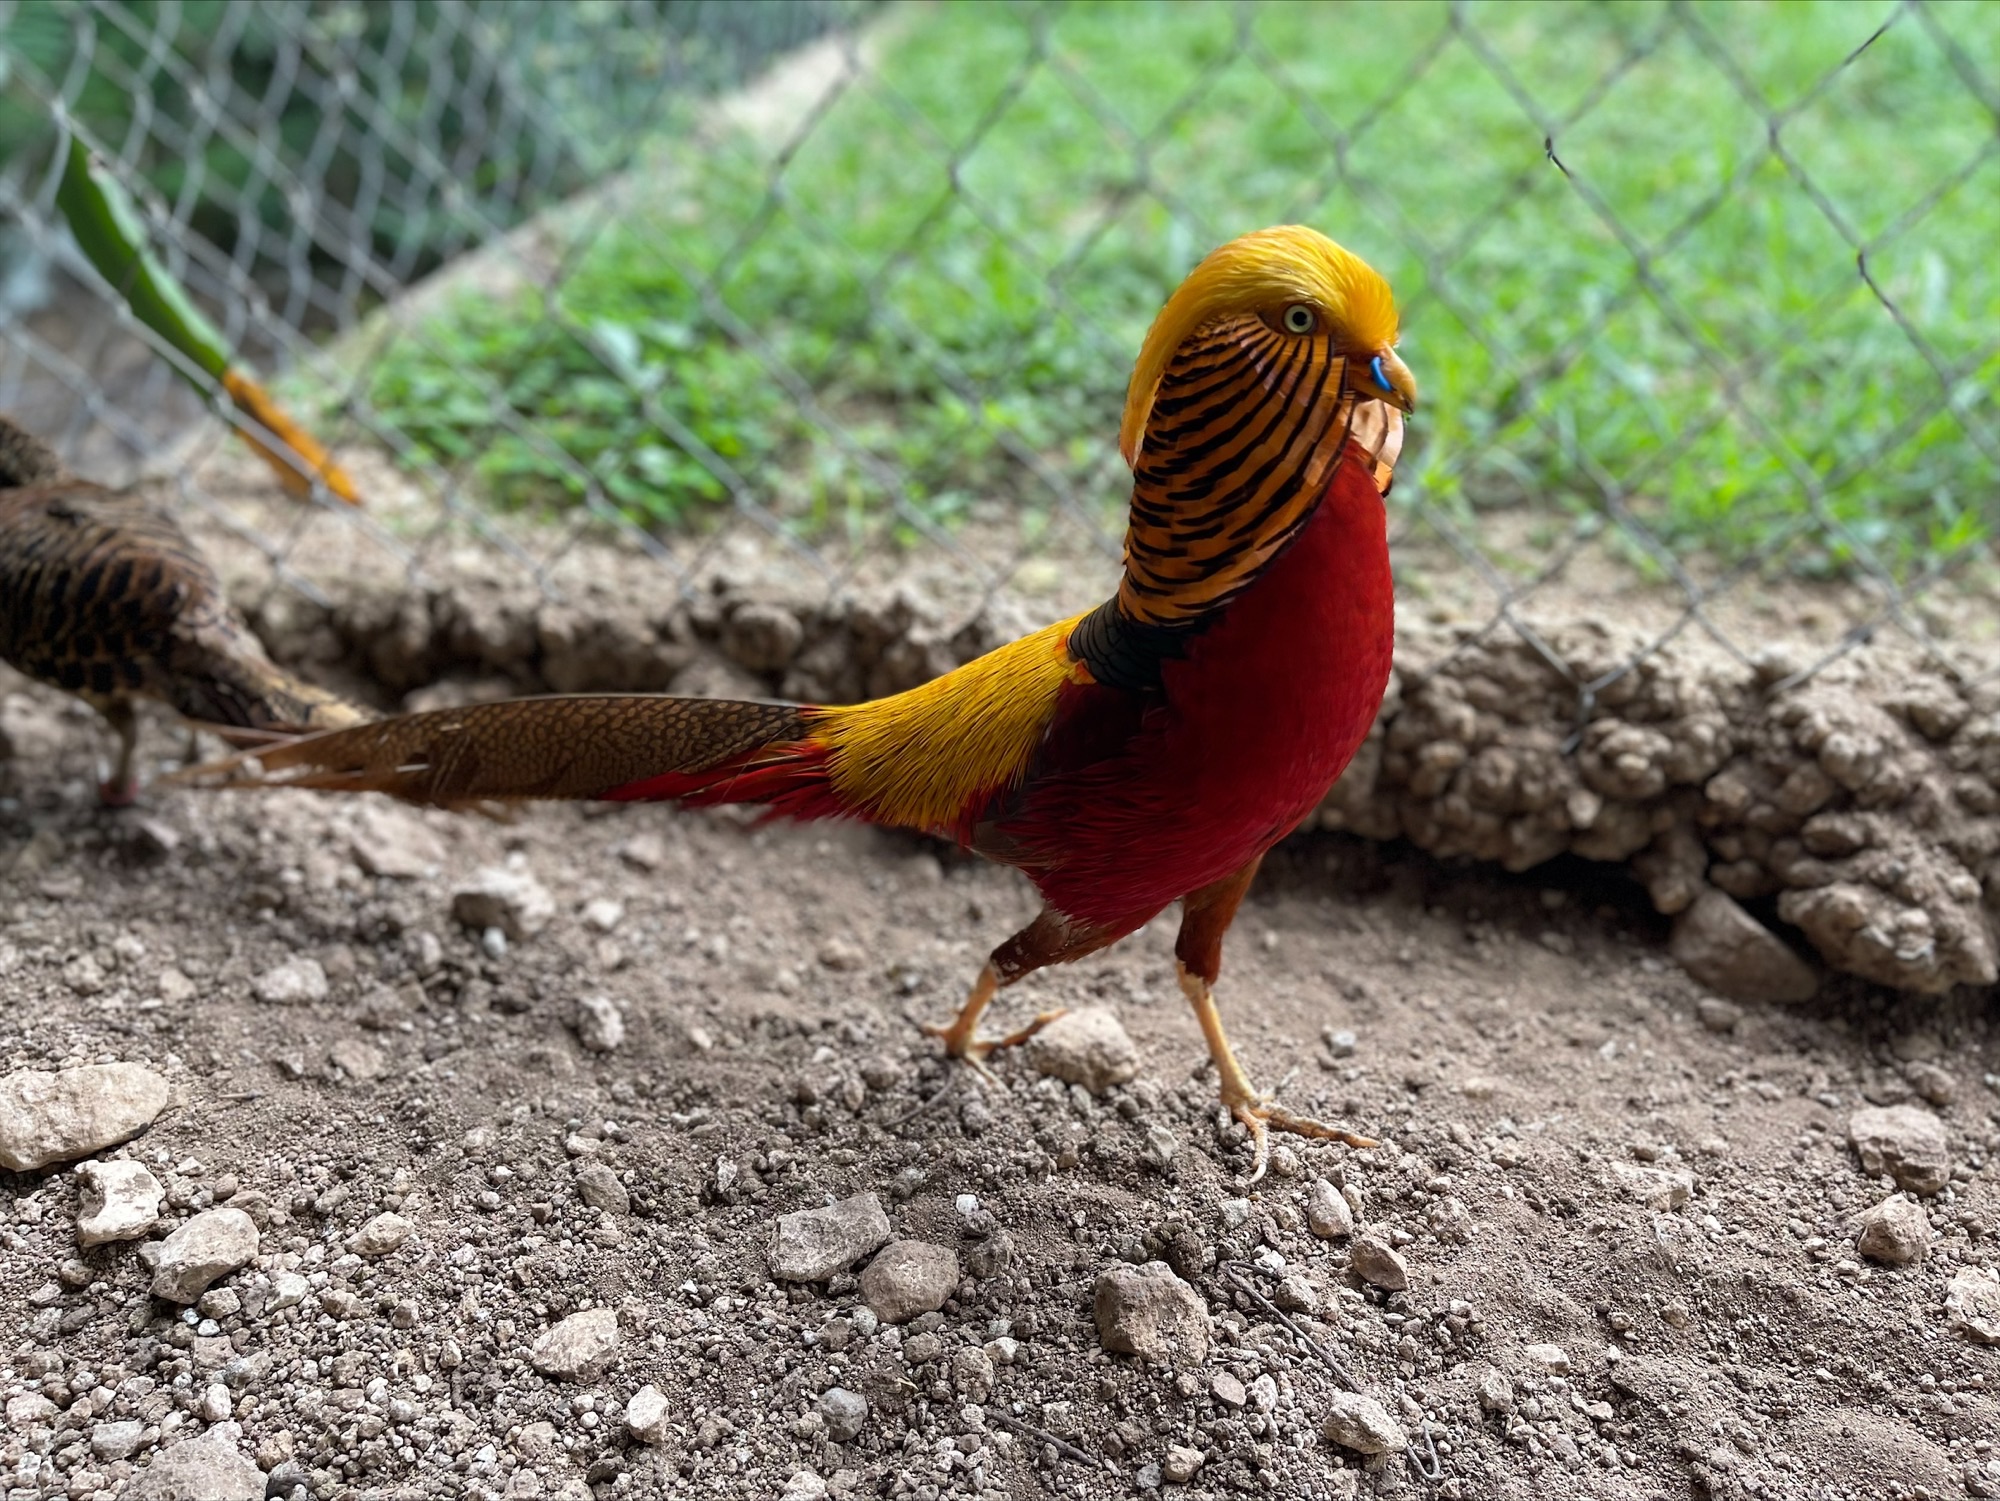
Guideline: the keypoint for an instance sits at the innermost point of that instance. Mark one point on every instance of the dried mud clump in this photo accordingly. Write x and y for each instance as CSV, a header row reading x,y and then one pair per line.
x,y
1860,808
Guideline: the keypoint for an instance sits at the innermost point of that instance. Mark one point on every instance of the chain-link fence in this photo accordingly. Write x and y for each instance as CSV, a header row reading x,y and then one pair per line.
x,y
1702,298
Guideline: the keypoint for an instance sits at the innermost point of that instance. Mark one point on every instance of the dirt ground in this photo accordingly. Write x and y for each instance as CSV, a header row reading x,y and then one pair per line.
x,y
1539,1072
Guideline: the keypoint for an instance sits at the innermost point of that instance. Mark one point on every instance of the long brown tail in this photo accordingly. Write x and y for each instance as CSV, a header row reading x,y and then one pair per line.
x,y
218,675
570,746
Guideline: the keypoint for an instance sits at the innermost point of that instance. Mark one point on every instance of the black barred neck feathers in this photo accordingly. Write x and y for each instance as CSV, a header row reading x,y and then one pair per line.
x,y
1245,429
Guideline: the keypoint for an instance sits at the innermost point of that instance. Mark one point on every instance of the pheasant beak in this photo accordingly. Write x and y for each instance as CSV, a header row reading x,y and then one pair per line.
x,y
1388,380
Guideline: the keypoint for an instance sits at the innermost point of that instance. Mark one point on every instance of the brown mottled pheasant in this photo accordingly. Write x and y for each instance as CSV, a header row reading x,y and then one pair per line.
x,y
107,598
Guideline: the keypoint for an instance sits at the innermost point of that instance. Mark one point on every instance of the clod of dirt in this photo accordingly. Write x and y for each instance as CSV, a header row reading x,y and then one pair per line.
x,y
120,1201
1149,1312
1729,951
1895,1232
202,1469
211,1245
811,1245
908,1278
1379,1264
1905,1142
578,1347
1973,1304
1088,1046
58,1117
1362,1424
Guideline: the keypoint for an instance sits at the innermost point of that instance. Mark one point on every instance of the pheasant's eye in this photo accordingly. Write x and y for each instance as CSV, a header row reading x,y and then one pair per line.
x,y
1300,319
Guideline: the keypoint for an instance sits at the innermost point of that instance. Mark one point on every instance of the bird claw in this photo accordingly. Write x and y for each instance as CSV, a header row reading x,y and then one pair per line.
x,y
118,792
1260,1117
959,1042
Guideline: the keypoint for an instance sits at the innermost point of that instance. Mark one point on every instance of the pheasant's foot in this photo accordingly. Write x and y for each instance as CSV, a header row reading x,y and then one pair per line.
x,y
1261,1117
118,792
959,1042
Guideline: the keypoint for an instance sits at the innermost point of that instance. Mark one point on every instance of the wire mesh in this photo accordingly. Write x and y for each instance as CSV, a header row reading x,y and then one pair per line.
x,y
1703,294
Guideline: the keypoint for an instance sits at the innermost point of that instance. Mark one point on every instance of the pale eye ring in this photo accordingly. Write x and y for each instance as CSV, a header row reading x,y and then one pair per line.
x,y
1299,319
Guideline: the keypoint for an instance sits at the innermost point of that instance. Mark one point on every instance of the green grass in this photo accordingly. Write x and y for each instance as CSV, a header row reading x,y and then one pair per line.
x,y
1771,402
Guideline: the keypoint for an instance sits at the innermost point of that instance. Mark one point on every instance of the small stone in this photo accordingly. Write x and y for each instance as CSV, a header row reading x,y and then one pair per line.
x,y
1149,1312
908,1278
972,1373
844,1413
646,851
510,900
762,637
216,1404
30,1409
1550,1360
646,1415
1379,1264
1655,1187
59,1117
805,1485
202,1469
1938,1087
811,1245
598,1186
600,1025
358,1060
1327,1213
1089,1046
120,1440
579,1347
212,1244
390,841
119,1201
296,982
1729,951
604,914
1181,1464
1896,1232
1905,1142
1717,1014
1295,1294
1496,1392
1227,1390
1362,1424
288,1290
1972,1302
381,1235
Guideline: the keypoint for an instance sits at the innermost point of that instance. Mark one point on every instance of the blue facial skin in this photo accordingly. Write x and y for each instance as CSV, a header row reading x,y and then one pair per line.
x,y
1375,369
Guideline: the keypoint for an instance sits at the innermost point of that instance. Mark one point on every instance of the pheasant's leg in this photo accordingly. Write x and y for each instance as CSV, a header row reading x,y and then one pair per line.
x,y
1050,939
1206,916
121,788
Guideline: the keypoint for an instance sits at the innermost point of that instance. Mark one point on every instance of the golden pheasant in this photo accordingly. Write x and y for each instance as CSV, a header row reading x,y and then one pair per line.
x,y
105,597
1147,752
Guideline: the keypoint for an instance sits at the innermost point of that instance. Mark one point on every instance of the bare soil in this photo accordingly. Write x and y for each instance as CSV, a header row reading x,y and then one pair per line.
x,y
1519,1043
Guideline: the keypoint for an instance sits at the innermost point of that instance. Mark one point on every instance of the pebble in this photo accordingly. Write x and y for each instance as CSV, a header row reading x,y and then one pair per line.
x,y
202,1469
972,1373
1327,1213
1378,1263
1717,1014
1936,1085
600,1025
296,982
646,1415
1972,1302
1227,1390
1088,1046
1905,1142
379,1236
119,1440
1654,1187
604,914
908,1278
394,842
119,1200
812,1245
1149,1312
1550,1360
1496,1392
510,900
805,1485
1729,951
598,1186
1896,1232
212,1244
579,1347
30,1409
216,1404
1362,1424
843,1411
59,1117
288,1290
360,1061
1181,1464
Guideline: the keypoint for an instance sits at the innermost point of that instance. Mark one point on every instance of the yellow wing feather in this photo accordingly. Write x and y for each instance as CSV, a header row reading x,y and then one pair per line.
x,y
920,759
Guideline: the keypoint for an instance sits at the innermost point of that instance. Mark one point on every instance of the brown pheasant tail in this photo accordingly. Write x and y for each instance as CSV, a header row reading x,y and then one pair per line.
x,y
565,747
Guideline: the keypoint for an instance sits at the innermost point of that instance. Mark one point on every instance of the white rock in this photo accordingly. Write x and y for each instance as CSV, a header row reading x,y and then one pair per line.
x,y
58,1117
811,1245
212,1244
804,1486
1380,1264
1149,1312
1089,1046
1973,1303
1362,1424
380,1235
1907,1143
391,841
600,1025
288,1290
119,1201
1551,1360
117,1440
296,982
1327,1213
512,901
1181,1464
578,1347
604,914
647,1416
29,1410
203,1469
358,1060
1655,1187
